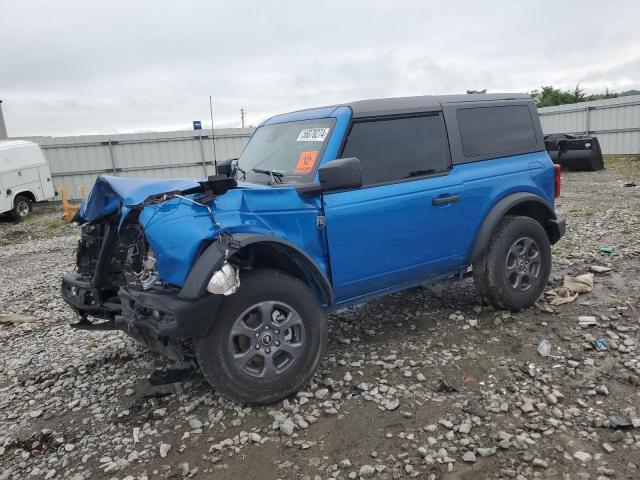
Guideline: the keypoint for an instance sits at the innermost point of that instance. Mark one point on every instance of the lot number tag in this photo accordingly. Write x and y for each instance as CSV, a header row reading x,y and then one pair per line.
x,y
306,161
313,134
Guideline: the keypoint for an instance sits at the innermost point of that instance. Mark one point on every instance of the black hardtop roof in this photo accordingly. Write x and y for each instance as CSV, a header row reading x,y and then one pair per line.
x,y
423,103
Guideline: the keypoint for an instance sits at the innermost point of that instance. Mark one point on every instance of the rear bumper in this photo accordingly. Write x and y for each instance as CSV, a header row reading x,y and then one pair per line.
x,y
556,228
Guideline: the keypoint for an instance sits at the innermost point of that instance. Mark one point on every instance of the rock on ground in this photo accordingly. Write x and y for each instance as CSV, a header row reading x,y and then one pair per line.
x,y
76,404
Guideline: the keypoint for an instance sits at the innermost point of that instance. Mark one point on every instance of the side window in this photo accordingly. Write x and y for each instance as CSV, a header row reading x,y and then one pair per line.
x,y
490,130
397,149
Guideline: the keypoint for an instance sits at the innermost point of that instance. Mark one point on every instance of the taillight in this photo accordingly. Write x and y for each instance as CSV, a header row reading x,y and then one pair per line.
x,y
558,179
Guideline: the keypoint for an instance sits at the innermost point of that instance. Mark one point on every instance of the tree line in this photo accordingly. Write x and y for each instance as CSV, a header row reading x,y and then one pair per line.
x,y
549,96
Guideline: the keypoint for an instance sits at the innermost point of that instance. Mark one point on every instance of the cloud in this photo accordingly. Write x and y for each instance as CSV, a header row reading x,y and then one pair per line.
x,y
99,67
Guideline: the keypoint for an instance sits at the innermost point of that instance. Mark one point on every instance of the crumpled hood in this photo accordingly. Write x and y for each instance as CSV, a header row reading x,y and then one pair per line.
x,y
110,193
178,230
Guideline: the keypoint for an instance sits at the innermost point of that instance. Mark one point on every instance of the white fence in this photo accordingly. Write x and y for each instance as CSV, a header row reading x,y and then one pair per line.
x,y
77,161
615,121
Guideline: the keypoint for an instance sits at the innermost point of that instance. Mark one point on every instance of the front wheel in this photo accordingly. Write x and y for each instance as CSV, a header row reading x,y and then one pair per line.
x,y
516,268
21,207
266,340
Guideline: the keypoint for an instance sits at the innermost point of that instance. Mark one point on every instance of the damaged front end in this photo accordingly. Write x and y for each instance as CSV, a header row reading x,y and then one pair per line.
x,y
117,285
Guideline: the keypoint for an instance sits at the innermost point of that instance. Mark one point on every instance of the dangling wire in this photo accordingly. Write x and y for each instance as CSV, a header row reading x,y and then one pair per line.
x,y
213,219
164,198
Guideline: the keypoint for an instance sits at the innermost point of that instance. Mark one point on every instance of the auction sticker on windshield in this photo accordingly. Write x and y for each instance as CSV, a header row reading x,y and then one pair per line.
x,y
313,134
306,161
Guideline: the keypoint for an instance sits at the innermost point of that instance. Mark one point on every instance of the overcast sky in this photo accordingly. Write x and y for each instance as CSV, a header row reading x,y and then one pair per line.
x,y
76,67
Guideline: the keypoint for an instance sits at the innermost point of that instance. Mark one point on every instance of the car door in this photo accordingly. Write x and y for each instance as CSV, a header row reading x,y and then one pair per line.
x,y
5,200
405,224
44,173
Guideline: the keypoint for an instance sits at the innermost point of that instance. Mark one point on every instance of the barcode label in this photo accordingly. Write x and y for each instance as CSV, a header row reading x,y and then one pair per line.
x,y
313,134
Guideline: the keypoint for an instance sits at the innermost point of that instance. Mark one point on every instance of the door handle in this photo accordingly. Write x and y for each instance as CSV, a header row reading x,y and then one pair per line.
x,y
444,200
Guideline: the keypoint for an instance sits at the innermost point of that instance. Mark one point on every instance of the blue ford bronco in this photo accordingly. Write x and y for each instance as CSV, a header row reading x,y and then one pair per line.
x,y
325,208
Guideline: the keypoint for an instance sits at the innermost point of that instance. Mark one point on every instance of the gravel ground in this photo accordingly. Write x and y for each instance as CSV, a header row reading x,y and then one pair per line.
x,y
428,383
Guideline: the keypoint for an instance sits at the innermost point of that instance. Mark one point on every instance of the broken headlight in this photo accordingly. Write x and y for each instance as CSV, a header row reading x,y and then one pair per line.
x,y
224,281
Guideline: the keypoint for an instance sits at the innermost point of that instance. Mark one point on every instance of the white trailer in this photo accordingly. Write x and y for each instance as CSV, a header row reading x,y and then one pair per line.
x,y
25,177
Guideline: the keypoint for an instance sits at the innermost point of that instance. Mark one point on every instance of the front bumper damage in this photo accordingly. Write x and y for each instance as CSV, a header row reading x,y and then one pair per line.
x,y
157,318
132,233
152,260
161,320
155,311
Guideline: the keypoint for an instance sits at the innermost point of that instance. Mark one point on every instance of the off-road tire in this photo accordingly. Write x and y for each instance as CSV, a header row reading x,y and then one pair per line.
x,y
214,351
21,207
490,273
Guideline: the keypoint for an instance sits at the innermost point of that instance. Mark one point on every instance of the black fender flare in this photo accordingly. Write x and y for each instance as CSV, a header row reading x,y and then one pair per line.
x,y
498,211
214,256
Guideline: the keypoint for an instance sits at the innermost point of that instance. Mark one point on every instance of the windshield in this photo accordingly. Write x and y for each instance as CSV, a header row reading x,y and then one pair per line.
x,y
285,152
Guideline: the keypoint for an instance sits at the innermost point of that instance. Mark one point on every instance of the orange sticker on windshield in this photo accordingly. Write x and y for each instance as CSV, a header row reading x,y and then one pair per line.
x,y
306,161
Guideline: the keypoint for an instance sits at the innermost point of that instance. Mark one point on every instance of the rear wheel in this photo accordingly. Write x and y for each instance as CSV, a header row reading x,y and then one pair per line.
x,y
21,207
266,340
516,268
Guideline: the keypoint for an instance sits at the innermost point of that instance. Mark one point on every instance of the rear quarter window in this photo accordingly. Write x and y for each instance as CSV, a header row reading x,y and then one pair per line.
x,y
494,130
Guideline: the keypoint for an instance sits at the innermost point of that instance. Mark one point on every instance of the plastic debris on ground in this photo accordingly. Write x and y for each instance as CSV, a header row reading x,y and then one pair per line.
x,y
544,349
600,344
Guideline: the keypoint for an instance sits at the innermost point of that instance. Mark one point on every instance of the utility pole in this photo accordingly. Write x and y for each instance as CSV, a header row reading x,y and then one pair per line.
x,y
3,127
242,114
213,138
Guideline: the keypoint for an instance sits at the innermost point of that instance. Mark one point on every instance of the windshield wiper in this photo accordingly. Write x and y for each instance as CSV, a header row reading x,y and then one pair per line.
x,y
276,177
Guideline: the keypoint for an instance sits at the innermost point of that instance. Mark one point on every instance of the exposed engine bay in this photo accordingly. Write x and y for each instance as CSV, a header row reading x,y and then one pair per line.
x,y
157,257
116,280
113,259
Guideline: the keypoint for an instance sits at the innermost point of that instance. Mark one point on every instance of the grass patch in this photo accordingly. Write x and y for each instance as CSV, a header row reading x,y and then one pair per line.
x,y
629,163
54,224
45,221
15,236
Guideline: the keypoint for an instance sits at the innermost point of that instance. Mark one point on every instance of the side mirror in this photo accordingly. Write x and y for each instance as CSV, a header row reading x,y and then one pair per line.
x,y
340,174
225,167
